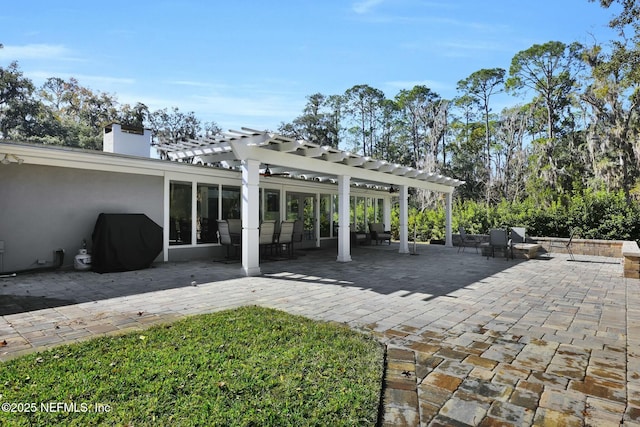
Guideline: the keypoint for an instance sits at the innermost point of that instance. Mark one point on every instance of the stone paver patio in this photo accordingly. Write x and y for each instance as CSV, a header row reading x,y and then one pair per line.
x,y
470,340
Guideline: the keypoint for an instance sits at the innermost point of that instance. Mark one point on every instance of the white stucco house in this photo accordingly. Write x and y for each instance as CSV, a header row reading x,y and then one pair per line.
x,y
50,196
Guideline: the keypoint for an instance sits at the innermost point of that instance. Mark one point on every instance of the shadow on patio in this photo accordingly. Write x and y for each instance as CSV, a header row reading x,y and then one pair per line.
x,y
435,271
432,272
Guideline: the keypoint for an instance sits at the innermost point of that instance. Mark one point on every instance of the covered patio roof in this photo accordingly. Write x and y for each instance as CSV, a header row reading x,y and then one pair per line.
x,y
303,160
254,151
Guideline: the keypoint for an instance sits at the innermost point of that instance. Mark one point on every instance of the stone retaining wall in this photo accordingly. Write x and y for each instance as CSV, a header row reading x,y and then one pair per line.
x,y
631,254
627,250
607,248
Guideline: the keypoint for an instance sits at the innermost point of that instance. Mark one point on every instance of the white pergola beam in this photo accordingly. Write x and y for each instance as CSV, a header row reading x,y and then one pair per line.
x,y
315,165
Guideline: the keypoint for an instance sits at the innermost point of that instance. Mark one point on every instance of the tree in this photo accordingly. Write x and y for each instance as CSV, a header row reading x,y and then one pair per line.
x,y
172,126
479,86
318,123
16,102
511,159
423,114
628,16
363,106
550,70
613,93
135,116
75,115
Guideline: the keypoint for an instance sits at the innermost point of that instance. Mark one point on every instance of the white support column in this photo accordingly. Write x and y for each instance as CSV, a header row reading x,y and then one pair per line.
x,y
166,218
448,240
317,227
344,233
194,213
250,220
404,220
387,213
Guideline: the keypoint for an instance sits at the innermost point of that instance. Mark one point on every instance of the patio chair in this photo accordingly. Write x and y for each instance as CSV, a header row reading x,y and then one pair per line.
x,y
378,232
228,240
285,238
359,237
498,240
235,226
466,240
298,235
267,233
565,245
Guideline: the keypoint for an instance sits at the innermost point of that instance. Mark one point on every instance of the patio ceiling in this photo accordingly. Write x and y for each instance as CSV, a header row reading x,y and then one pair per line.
x,y
302,160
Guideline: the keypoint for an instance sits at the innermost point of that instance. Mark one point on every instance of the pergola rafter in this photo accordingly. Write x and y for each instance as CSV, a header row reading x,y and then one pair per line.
x,y
220,148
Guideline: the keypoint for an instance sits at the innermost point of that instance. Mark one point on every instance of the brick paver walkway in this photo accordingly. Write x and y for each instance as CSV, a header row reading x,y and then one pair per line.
x,y
470,340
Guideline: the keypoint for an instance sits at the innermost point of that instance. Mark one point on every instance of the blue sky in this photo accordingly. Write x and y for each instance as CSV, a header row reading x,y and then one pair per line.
x,y
253,63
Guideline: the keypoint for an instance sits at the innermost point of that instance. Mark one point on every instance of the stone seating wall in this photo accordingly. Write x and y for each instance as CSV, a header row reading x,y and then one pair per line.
x,y
628,251
606,248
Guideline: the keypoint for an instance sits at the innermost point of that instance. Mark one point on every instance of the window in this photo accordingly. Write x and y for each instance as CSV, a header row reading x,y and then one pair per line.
x,y
230,202
293,207
360,213
271,205
336,214
380,212
325,215
371,211
179,213
207,226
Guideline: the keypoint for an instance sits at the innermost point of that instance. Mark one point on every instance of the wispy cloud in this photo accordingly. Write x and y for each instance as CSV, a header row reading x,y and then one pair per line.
x,y
199,84
458,48
93,81
472,47
229,108
36,51
365,6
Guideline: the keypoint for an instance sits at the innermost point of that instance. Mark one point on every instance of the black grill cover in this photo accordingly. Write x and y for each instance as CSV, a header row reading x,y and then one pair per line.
x,y
124,242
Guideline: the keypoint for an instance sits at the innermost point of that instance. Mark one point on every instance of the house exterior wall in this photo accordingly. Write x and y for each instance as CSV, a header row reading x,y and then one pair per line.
x,y
51,199
44,208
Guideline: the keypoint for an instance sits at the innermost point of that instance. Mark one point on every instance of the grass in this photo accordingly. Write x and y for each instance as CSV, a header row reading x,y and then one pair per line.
x,y
246,367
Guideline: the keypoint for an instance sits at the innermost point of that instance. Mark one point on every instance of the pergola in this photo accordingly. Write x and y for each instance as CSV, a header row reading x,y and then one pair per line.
x,y
253,150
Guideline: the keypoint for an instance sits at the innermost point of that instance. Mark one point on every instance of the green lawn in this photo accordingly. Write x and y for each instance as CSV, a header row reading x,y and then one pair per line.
x,y
247,367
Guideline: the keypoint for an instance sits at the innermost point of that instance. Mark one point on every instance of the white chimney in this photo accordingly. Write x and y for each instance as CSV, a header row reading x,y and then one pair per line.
x,y
129,140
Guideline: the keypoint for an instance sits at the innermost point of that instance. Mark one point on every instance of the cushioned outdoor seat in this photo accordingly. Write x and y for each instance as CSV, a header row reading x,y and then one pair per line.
x,y
378,232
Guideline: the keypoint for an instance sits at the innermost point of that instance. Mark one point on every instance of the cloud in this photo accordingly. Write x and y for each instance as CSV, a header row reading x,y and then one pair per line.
x,y
92,81
365,6
229,108
36,51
